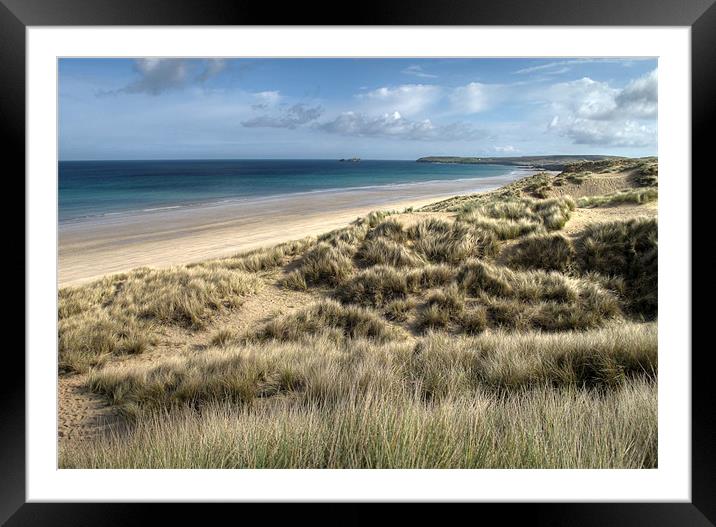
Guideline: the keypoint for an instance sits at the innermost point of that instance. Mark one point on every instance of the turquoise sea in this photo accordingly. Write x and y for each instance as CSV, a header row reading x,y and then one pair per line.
x,y
89,189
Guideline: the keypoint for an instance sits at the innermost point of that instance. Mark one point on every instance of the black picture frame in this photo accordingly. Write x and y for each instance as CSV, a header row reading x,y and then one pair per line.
x,y
699,15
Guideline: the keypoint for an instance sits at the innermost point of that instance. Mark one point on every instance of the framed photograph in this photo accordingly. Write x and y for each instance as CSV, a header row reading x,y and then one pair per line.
x,y
414,259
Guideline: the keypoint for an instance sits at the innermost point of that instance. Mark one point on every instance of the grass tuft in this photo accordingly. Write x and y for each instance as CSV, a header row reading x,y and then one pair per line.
x,y
515,218
375,286
327,316
324,264
441,241
628,249
381,251
551,252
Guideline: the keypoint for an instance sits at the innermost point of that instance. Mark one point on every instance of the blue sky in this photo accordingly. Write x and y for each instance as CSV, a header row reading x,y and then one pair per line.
x,y
370,108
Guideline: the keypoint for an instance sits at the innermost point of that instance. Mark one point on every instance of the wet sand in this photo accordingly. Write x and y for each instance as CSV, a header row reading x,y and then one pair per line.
x,y
92,248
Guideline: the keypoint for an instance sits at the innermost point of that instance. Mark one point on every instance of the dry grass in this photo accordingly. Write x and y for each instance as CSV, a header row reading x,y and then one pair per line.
x,y
117,315
536,187
635,196
537,299
430,276
647,173
441,241
325,264
551,252
518,217
260,259
90,338
442,308
628,249
398,310
312,366
388,229
596,387
381,251
375,286
328,317
503,360
181,295
539,428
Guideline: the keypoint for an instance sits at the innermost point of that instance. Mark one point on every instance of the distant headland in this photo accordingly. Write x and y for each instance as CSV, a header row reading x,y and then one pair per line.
x,y
543,162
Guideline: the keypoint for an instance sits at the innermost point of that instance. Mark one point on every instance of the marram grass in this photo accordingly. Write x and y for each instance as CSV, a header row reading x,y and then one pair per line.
x,y
537,428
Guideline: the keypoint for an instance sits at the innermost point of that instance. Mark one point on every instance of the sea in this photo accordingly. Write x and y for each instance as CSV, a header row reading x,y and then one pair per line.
x,y
90,189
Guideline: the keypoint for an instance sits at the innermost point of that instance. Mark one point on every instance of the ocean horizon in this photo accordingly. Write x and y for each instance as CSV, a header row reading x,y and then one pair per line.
x,y
90,189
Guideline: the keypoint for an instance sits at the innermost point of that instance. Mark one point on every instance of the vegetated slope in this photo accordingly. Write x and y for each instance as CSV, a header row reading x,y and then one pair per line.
x,y
418,339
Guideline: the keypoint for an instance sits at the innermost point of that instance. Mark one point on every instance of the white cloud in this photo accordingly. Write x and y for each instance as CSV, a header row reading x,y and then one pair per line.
x,y
413,100
212,67
504,149
562,66
640,97
622,133
417,71
593,113
408,99
291,117
266,99
472,98
394,125
584,98
157,76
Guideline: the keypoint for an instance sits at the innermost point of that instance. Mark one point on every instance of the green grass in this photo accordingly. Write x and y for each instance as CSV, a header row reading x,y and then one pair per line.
x,y
647,174
629,250
635,196
551,252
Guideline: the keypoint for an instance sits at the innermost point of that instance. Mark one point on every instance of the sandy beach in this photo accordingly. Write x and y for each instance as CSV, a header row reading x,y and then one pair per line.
x,y
92,248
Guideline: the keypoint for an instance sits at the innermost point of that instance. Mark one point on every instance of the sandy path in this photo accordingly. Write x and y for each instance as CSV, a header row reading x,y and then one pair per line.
x,y
81,414
112,244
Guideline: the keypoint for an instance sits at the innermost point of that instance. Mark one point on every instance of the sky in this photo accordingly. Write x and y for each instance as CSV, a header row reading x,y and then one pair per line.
x,y
350,107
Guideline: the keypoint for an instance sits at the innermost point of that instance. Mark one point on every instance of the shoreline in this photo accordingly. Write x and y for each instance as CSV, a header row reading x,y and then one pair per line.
x,y
109,244
517,172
